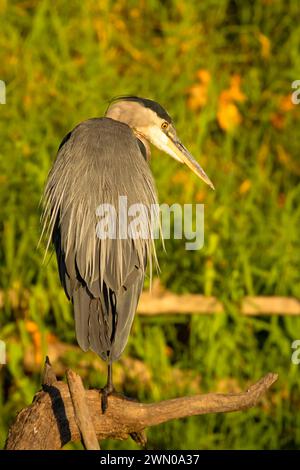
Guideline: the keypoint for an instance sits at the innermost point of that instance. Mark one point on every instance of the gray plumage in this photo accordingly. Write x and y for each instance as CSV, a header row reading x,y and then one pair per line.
x,y
98,161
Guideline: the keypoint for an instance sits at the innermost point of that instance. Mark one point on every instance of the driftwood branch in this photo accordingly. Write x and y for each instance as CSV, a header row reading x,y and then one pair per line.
x,y
81,411
48,375
52,420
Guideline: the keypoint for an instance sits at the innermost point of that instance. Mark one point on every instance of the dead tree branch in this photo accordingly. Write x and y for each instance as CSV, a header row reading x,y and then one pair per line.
x,y
81,411
53,420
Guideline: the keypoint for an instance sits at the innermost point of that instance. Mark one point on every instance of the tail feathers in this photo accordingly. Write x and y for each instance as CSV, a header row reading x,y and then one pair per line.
x,y
126,307
103,324
92,329
81,301
99,340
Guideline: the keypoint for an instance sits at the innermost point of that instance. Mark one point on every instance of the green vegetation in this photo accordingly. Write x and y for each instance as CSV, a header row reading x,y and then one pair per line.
x,y
223,69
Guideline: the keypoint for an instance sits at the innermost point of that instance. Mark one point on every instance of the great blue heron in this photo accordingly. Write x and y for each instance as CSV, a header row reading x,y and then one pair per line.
x,y
98,161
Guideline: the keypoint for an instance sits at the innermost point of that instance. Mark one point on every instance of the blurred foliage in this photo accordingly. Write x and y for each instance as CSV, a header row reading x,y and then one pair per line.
x,y
223,69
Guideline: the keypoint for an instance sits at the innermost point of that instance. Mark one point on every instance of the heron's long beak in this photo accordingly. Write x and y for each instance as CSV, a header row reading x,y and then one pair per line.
x,y
168,142
179,152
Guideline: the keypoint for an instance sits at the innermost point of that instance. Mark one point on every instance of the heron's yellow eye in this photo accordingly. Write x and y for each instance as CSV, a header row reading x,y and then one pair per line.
x,y
165,125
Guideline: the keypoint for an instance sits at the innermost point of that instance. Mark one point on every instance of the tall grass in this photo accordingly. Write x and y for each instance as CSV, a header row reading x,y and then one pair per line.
x,y
61,62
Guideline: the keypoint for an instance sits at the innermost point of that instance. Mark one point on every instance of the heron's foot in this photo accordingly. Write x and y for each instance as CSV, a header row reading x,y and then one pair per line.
x,y
105,392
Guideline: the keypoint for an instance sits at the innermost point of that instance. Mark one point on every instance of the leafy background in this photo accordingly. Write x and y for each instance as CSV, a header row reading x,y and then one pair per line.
x,y
223,69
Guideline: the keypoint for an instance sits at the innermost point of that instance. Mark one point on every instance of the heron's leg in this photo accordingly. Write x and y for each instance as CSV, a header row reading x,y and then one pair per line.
x,y
108,389
109,385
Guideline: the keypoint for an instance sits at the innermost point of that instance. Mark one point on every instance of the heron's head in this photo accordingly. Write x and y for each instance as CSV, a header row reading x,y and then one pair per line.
x,y
151,122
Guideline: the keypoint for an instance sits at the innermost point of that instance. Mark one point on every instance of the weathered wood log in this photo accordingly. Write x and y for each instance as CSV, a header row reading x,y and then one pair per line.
x,y
81,411
50,421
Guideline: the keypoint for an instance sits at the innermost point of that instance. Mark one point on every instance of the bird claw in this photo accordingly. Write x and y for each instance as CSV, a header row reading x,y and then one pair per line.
x,y
105,392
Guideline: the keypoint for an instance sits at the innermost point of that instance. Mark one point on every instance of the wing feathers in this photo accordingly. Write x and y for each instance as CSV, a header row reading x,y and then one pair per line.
x,y
99,161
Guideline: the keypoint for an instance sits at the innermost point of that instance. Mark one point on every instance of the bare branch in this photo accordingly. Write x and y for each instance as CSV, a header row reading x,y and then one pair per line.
x,y
50,422
48,375
81,411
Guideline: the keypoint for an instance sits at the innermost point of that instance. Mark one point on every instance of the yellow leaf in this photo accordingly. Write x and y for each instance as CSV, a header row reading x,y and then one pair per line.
x,y
286,104
31,326
198,93
204,76
265,45
33,329
197,96
233,93
245,186
228,116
